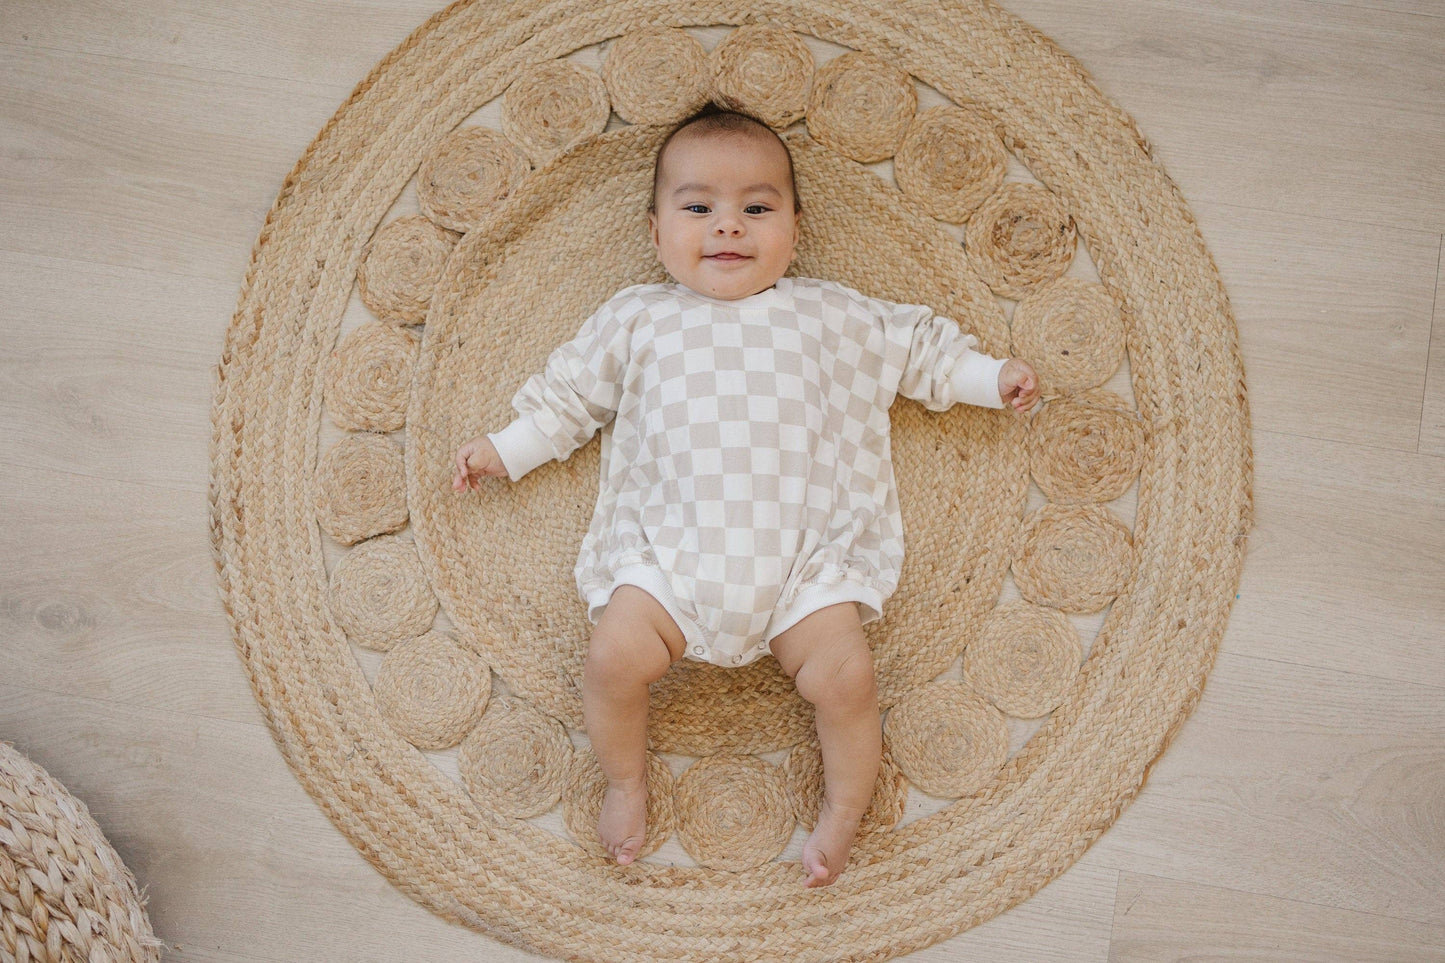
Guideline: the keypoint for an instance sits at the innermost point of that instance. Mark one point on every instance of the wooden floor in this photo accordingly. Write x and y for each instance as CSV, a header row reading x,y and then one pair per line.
x,y
1299,816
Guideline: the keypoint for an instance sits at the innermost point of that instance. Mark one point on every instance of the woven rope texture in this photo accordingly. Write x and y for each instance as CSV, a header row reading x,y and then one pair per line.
x,y
65,895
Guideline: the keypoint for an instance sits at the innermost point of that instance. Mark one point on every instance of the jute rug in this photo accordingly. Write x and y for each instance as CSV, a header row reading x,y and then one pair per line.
x,y
472,202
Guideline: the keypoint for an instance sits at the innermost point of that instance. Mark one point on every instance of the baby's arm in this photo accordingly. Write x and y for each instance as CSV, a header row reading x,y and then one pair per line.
x,y
559,408
940,364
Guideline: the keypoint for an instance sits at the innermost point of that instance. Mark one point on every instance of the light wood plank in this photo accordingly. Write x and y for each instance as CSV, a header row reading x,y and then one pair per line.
x,y
1299,783
254,39
1334,321
1292,106
1346,564
1164,919
1423,8
108,591
177,953
108,371
1432,423
166,168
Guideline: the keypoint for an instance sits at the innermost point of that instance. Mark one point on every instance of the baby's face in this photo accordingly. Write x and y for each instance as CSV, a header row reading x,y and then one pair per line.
x,y
725,224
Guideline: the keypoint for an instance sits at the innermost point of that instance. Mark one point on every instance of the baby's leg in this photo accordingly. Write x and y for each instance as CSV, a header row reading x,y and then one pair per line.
x,y
828,657
632,645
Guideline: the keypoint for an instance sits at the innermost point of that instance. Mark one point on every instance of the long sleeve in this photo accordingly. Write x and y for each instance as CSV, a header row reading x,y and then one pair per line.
x,y
942,366
576,393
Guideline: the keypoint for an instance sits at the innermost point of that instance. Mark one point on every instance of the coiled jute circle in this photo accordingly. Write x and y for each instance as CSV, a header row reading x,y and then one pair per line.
x,y
432,691
765,71
65,895
554,106
368,380
360,488
950,161
379,594
1071,331
516,760
957,473
400,268
947,740
582,803
1086,448
803,770
1075,558
861,106
732,811
464,177
656,76
1020,237
1024,660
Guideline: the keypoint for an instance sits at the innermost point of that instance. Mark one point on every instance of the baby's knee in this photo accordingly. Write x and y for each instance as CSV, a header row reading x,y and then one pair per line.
x,y
840,674
625,656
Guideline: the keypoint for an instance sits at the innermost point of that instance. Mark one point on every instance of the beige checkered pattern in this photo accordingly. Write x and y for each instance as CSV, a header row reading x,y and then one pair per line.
x,y
746,478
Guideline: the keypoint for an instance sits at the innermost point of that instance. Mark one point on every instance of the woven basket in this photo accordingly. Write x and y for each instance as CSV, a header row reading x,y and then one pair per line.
x,y
539,253
65,895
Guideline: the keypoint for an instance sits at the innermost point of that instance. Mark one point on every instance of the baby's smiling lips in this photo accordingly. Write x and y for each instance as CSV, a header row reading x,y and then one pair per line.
x,y
726,256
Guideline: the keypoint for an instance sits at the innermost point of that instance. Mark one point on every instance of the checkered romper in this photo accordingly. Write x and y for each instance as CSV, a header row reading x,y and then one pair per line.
x,y
746,480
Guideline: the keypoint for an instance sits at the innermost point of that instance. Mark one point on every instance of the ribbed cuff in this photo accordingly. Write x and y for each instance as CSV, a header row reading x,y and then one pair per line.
x,y
522,446
815,597
975,380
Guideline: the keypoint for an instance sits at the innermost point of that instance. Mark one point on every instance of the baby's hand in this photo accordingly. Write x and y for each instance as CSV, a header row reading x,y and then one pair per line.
x,y
1018,384
477,459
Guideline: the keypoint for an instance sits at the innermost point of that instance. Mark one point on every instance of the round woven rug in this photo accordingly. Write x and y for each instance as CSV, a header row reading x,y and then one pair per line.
x,y
418,653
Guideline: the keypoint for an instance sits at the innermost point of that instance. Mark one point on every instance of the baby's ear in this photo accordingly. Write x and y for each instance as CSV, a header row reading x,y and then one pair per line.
x,y
652,227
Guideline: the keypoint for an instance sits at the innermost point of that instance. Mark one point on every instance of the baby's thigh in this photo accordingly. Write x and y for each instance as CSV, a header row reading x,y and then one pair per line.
x,y
831,636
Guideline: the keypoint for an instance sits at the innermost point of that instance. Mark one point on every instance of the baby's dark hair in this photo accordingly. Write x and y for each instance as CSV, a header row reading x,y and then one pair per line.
x,y
715,119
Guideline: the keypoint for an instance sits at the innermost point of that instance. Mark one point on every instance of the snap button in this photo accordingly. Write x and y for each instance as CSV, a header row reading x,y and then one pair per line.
x,y
697,650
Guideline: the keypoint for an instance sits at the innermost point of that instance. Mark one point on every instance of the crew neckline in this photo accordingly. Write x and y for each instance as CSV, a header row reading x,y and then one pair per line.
x,y
765,298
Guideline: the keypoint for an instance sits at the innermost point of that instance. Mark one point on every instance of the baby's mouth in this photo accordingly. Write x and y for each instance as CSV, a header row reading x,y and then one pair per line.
x,y
727,256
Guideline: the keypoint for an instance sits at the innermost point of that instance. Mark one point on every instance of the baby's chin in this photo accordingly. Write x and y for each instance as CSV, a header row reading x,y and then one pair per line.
x,y
733,292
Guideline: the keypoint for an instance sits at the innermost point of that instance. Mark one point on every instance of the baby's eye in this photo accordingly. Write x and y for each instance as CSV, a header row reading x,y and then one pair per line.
x,y
696,208
757,209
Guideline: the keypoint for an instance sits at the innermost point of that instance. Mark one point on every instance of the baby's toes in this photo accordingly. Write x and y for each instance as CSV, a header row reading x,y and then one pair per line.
x,y
815,864
627,850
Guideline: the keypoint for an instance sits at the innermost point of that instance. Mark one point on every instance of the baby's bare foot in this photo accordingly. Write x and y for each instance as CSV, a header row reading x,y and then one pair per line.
x,y
623,823
826,851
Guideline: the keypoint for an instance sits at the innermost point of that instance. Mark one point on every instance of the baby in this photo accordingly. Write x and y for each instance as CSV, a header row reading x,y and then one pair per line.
x,y
747,504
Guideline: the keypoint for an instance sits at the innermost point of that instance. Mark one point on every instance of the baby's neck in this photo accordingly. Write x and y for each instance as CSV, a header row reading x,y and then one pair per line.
x,y
740,297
